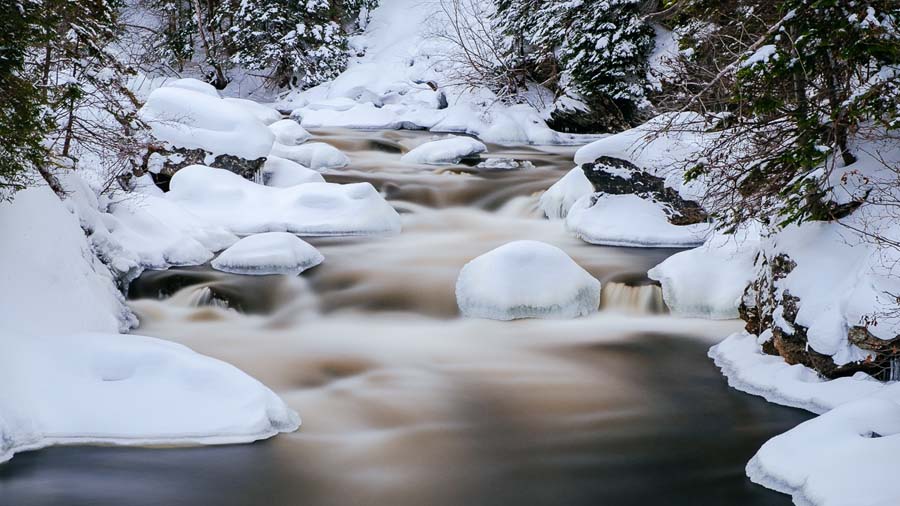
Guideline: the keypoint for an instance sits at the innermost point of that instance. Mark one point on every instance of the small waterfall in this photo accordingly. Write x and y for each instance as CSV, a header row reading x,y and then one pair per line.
x,y
203,297
642,298
895,369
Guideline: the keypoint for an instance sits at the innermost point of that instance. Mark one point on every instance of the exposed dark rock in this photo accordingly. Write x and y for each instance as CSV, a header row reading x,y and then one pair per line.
x,y
606,175
170,161
601,117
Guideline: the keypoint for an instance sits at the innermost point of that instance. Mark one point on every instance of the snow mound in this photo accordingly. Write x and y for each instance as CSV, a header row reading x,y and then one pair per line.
x,y
445,151
191,119
162,233
128,390
283,173
222,198
268,253
628,220
265,114
189,83
315,155
289,133
846,457
709,281
526,279
559,198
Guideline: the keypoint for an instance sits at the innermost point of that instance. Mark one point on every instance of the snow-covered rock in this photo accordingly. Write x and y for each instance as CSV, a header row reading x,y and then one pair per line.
x,y
315,209
559,198
268,253
315,155
628,220
663,156
282,173
185,118
709,281
265,114
526,279
289,133
162,233
189,83
445,151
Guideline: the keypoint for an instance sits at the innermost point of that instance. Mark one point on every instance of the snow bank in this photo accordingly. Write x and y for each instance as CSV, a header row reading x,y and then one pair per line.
x,y
52,282
709,281
628,220
283,173
69,378
750,370
268,253
189,83
445,151
129,390
846,457
289,133
526,279
315,155
225,199
186,118
559,198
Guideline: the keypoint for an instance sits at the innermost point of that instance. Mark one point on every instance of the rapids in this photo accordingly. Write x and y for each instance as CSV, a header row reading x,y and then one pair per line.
x,y
404,403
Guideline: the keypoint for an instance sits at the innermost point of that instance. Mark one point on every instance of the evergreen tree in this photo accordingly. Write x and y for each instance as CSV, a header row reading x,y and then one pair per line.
x,y
300,41
818,74
22,125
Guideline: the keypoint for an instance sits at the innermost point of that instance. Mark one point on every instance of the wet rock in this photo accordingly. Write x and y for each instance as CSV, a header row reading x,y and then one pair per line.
x,y
615,176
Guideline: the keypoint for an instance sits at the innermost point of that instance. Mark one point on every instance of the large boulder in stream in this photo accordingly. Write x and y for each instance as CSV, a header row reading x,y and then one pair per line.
x,y
268,253
526,279
193,125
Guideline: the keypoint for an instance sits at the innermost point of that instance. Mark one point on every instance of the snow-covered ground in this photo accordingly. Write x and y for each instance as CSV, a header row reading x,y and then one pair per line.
x,y
71,378
388,86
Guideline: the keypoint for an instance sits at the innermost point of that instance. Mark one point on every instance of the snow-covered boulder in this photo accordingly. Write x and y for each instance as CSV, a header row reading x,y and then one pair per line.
x,y
190,119
265,114
282,173
709,281
189,83
628,220
315,155
445,151
559,198
314,209
526,279
289,133
268,253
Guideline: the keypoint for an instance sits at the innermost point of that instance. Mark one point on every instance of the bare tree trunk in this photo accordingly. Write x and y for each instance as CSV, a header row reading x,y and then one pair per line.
x,y
221,80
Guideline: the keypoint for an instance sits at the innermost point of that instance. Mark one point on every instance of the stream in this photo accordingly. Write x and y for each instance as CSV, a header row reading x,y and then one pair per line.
x,y
404,403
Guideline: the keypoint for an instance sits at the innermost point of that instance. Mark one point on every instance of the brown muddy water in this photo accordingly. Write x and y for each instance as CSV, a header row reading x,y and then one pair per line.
x,y
404,403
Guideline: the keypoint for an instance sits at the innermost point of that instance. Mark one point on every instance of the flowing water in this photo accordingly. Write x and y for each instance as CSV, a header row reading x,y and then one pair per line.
x,y
405,403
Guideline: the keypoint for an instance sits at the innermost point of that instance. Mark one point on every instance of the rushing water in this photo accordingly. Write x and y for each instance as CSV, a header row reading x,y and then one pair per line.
x,y
405,403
